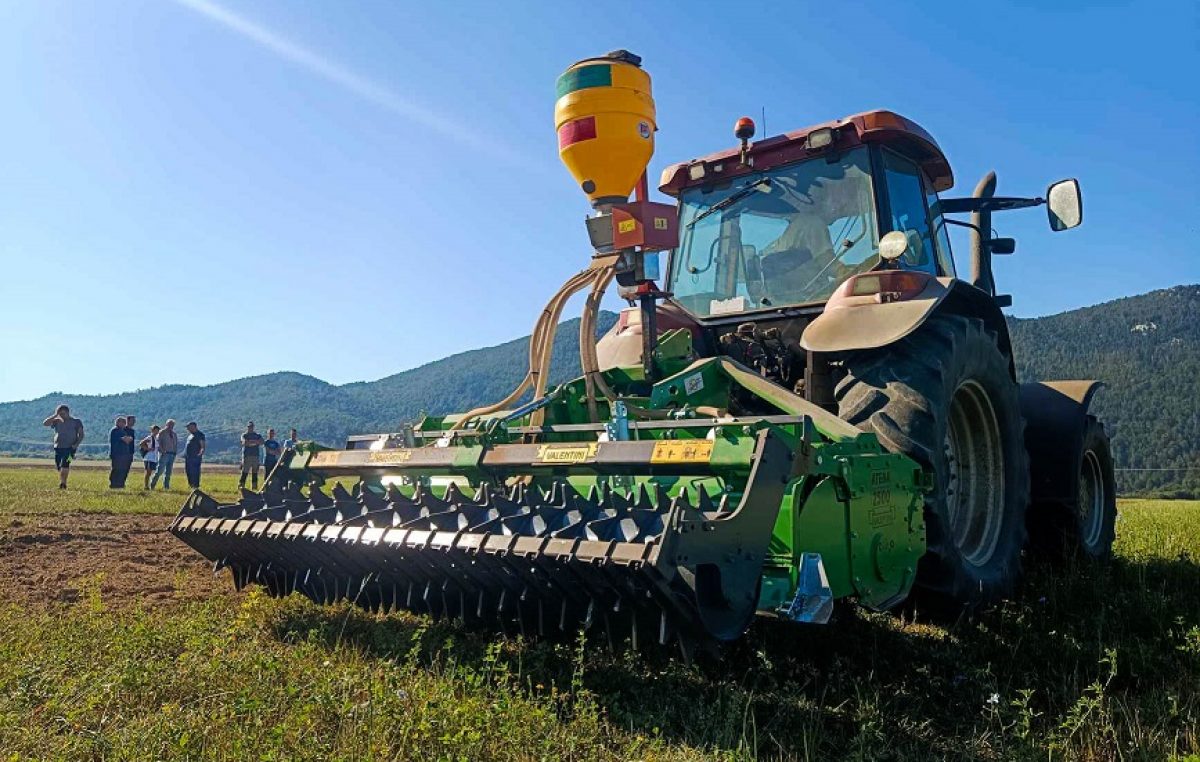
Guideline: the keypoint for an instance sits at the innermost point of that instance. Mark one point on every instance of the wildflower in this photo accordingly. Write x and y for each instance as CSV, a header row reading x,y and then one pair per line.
x,y
994,699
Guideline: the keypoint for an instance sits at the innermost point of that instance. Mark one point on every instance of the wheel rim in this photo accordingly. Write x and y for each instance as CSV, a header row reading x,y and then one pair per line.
x,y
1091,499
975,474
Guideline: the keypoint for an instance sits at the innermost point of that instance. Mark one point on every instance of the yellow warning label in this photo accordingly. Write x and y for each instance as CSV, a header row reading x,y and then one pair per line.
x,y
660,223
566,454
682,451
324,458
390,456
626,226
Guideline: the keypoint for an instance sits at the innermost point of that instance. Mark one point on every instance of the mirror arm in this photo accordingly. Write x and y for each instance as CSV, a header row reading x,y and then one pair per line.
x,y
961,224
986,204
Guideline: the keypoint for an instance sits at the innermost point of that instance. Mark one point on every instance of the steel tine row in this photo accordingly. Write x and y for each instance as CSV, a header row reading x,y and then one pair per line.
x,y
454,554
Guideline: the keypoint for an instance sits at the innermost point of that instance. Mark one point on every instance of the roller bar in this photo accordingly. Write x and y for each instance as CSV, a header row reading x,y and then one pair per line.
x,y
637,561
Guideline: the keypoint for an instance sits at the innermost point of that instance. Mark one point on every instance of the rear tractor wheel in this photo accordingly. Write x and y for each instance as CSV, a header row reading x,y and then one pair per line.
x,y
944,396
1087,528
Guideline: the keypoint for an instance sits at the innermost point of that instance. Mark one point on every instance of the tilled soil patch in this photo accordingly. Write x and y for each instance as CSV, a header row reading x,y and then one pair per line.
x,y
60,559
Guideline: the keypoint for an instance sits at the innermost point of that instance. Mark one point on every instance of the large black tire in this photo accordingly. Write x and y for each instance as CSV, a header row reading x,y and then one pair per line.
x,y
1086,528
944,396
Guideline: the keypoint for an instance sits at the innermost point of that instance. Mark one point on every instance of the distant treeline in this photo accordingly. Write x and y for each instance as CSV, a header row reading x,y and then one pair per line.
x,y
319,410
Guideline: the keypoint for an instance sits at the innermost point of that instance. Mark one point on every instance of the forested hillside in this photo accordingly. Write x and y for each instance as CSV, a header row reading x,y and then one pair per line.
x,y
320,410
1146,348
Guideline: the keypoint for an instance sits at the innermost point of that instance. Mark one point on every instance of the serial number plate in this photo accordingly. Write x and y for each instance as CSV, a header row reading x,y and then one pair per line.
x,y
566,454
682,451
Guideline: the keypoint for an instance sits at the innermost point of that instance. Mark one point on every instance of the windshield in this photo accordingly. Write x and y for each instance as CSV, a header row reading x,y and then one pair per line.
x,y
778,238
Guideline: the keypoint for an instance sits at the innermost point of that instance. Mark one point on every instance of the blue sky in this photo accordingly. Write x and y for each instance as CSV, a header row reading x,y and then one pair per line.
x,y
192,191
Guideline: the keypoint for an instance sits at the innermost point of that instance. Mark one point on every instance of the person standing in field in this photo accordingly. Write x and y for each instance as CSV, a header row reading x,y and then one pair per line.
x,y
132,435
120,453
68,435
289,446
273,451
193,453
149,448
251,441
168,444
129,421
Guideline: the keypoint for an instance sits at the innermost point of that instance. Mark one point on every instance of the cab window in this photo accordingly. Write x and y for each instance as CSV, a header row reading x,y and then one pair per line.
x,y
941,235
907,211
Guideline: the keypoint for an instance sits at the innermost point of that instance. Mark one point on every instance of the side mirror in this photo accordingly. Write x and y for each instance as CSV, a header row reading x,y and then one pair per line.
x,y
1064,205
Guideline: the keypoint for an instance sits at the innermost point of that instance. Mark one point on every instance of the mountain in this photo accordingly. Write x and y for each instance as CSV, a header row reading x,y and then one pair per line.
x,y
1146,348
1147,351
319,410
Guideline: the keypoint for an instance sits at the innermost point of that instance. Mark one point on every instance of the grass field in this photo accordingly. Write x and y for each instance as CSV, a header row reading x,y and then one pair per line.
x,y
1087,663
25,489
37,462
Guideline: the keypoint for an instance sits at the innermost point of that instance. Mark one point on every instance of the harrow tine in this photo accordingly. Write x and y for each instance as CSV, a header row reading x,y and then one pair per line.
x,y
372,501
687,649
319,499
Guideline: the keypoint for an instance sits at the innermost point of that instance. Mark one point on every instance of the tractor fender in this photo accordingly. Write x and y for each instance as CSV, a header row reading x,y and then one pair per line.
x,y
863,322
1055,415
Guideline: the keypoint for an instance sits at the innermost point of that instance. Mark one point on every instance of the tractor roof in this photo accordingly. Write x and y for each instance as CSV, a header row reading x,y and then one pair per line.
x,y
880,126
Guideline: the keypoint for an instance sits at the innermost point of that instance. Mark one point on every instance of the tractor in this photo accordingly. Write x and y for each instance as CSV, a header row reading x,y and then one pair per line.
x,y
803,404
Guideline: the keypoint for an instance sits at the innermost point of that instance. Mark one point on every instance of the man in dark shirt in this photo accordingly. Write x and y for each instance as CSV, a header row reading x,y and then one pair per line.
x,y
251,442
193,454
119,452
273,451
130,420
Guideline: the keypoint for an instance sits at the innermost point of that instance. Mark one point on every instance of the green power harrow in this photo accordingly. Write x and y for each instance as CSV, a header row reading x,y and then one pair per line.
x,y
676,529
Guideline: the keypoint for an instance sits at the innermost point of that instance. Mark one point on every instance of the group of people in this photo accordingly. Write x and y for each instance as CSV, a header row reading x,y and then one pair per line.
x,y
159,449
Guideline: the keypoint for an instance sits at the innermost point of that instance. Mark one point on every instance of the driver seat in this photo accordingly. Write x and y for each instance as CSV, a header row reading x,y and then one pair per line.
x,y
799,254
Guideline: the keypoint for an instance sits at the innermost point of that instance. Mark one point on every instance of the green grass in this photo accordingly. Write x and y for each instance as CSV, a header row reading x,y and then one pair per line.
x,y
1087,663
25,489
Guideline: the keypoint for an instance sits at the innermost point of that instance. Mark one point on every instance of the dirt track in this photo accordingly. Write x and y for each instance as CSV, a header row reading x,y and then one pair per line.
x,y
55,559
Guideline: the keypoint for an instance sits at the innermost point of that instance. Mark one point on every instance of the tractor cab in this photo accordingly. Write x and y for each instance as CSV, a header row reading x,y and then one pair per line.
x,y
781,224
